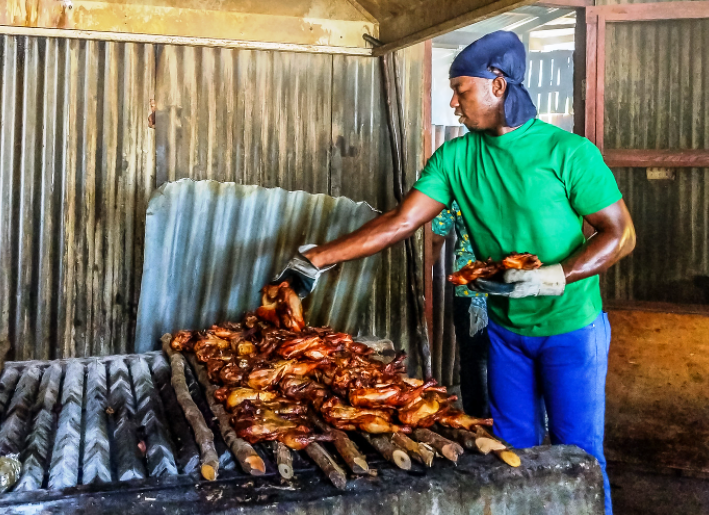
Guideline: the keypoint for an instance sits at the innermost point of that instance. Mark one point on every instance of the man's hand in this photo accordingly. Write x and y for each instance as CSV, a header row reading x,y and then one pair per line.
x,y
613,239
300,273
547,280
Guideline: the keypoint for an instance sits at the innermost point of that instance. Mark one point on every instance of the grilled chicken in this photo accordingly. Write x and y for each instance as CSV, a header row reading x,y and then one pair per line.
x,y
524,261
388,396
276,373
459,420
490,268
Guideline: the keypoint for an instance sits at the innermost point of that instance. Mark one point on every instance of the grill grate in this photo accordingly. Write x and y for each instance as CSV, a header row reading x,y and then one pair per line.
x,y
101,421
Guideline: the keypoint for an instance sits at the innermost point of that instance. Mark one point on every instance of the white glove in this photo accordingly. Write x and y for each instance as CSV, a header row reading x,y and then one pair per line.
x,y
547,280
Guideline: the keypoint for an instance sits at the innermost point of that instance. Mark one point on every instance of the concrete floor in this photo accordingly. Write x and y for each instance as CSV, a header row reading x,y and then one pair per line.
x,y
638,492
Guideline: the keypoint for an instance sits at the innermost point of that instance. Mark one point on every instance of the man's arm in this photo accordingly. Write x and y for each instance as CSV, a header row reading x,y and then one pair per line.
x,y
613,240
382,232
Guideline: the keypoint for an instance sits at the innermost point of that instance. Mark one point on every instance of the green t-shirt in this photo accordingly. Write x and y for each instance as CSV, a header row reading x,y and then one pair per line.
x,y
527,191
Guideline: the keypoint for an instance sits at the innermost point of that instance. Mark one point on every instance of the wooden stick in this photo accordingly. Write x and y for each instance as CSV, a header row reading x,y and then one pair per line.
x,y
387,448
284,460
418,451
203,435
463,437
345,447
245,454
443,446
327,464
507,455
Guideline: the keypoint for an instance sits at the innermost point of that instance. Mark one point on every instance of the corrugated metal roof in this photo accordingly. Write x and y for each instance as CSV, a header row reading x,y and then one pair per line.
x,y
211,247
656,98
76,169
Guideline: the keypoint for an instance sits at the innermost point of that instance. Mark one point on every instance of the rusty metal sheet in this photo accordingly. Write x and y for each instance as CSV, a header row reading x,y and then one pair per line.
x,y
76,169
296,121
656,98
210,248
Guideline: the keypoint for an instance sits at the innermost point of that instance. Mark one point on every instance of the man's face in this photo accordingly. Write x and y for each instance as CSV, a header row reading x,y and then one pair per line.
x,y
476,102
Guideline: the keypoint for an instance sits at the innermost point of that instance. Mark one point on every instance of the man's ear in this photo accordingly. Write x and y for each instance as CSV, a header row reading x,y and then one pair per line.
x,y
499,86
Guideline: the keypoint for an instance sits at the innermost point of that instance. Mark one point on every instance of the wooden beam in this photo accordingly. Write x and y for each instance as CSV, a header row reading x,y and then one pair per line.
x,y
653,11
579,73
123,37
431,19
566,4
591,48
328,24
637,158
428,258
600,82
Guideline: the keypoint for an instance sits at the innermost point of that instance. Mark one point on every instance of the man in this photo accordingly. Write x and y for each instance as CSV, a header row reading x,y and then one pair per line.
x,y
522,186
469,315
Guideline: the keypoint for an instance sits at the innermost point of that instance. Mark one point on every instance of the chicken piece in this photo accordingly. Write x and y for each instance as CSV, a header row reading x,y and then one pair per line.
x,y
183,341
265,378
232,374
213,352
475,270
281,306
388,396
233,397
227,333
303,389
348,418
524,261
244,348
290,309
214,366
255,423
425,411
297,441
459,420
296,347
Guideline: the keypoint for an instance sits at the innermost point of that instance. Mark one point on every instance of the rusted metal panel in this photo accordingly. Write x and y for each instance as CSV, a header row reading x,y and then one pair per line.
x,y
210,248
446,359
658,373
76,168
656,98
244,116
78,165
296,121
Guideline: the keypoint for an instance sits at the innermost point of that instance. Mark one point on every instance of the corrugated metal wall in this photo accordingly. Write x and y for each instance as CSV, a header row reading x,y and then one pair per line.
x,y
319,126
78,164
76,170
657,98
444,347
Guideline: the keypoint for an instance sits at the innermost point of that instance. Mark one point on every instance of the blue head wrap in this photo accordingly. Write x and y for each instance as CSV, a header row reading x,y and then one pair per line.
x,y
504,51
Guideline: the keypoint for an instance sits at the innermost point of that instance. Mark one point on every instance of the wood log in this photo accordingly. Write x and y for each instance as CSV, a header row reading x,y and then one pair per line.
x,y
345,447
387,448
327,464
417,450
463,437
443,446
203,435
506,454
245,454
284,459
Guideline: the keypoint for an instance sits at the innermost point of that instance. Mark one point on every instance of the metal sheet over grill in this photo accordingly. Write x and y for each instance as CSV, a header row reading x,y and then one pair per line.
x,y
211,246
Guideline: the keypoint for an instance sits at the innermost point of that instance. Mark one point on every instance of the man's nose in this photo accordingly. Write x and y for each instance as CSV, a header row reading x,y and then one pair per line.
x,y
454,101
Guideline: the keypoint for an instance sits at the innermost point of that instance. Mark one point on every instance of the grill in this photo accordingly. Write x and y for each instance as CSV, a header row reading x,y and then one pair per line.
x,y
107,434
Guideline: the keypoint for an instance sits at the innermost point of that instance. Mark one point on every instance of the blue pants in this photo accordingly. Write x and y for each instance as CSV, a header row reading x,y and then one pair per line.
x,y
566,373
